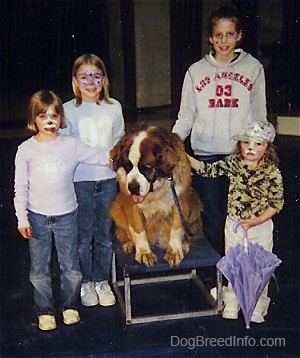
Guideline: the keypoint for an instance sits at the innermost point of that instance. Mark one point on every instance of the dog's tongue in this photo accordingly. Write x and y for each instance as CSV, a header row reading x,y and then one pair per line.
x,y
137,199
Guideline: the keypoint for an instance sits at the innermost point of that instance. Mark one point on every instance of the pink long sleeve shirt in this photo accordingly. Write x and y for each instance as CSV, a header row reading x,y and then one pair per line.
x,y
44,174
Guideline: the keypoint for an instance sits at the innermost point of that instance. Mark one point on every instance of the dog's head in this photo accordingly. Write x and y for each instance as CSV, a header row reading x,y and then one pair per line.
x,y
144,158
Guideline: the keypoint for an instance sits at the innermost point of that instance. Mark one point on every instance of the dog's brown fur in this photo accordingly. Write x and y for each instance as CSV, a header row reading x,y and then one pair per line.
x,y
154,220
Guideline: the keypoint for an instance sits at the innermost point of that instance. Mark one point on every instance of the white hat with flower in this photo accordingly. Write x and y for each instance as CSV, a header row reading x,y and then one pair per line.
x,y
257,131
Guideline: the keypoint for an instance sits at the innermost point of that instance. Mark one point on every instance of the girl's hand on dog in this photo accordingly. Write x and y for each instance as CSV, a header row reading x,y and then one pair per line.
x,y
195,164
25,232
110,160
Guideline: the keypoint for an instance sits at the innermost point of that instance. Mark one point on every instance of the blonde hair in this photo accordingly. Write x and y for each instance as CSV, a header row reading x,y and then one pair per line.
x,y
91,59
270,156
39,103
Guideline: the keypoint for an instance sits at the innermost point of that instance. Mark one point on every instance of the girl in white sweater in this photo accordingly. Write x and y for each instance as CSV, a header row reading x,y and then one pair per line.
x,y
97,119
221,93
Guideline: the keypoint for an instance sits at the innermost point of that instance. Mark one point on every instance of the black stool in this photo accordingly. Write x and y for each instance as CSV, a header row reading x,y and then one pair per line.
x,y
201,255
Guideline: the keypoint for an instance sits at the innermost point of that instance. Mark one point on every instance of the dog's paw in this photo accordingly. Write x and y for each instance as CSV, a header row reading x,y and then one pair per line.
x,y
146,258
128,247
173,257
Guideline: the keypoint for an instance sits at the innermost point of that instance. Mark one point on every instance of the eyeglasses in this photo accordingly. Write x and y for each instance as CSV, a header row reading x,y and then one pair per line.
x,y
90,78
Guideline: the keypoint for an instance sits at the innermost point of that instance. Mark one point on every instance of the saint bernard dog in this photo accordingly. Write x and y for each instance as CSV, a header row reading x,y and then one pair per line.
x,y
144,210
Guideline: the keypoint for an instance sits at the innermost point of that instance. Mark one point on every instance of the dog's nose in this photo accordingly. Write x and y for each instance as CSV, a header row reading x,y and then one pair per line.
x,y
134,188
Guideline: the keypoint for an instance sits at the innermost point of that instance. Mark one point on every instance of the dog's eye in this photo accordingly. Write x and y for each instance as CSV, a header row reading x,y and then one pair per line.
x,y
127,166
145,168
148,171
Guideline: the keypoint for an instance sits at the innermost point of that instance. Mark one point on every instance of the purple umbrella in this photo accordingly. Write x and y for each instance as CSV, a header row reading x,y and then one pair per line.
x,y
248,268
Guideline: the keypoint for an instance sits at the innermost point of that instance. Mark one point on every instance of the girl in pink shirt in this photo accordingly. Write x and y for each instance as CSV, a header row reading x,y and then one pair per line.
x,y
46,206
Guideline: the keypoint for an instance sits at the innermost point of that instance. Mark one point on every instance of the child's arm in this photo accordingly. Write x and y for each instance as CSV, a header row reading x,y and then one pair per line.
x,y
258,96
276,200
88,155
195,164
25,232
257,220
214,170
187,111
119,125
21,193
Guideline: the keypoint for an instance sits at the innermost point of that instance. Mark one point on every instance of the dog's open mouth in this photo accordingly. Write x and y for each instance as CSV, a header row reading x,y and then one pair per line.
x,y
137,199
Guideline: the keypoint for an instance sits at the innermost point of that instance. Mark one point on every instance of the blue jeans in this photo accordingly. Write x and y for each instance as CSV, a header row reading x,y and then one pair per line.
x,y
213,193
63,228
95,228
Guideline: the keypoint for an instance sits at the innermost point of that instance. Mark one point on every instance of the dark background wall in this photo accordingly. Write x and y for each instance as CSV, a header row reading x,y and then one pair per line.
x,y
39,42
40,39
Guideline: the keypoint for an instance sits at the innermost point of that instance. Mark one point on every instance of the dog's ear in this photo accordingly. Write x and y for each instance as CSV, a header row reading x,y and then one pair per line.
x,y
165,150
119,153
170,144
164,155
114,157
164,168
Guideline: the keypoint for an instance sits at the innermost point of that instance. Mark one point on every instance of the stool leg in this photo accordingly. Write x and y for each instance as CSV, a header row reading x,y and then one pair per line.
x,y
113,269
219,290
127,299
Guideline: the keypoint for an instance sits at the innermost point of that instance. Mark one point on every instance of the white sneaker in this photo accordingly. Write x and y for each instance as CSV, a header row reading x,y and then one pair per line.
x,y
257,318
230,314
258,315
88,294
105,294
231,310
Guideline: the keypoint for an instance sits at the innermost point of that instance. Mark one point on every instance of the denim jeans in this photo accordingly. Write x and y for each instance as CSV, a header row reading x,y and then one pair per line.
x,y
95,228
213,193
64,230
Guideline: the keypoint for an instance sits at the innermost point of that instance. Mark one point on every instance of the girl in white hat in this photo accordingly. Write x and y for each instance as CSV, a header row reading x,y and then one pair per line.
x,y
255,196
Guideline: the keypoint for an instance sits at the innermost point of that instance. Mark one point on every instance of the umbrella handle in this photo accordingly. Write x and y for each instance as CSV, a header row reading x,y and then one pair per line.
x,y
245,238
